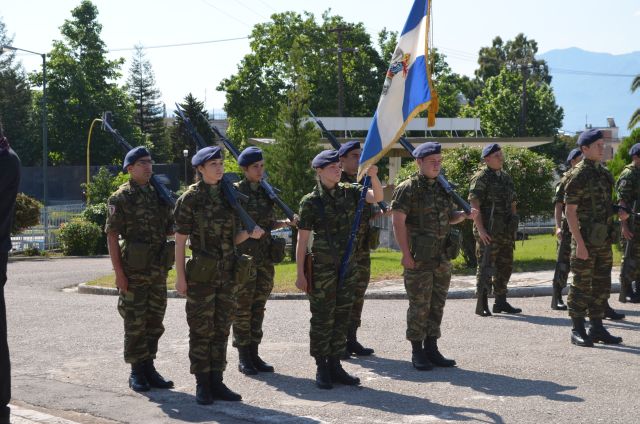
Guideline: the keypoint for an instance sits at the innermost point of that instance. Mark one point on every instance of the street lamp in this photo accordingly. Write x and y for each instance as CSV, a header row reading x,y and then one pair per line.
x,y
45,153
185,153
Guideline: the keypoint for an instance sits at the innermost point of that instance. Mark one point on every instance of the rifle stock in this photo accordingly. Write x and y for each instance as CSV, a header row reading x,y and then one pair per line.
x,y
629,264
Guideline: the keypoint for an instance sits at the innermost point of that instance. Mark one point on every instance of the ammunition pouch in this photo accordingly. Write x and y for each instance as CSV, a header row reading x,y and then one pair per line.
x,y
136,255
169,254
277,249
201,268
374,237
242,269
452,244
423,248
597,234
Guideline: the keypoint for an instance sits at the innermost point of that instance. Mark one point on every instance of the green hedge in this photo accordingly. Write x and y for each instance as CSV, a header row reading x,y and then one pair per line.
x,y
80,237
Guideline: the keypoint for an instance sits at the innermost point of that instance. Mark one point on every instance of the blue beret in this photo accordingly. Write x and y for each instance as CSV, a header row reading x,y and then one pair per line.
x,y
635,150
325,158
426,149
249,155
133,155
208,153
348,146
589,136
490,148
574,154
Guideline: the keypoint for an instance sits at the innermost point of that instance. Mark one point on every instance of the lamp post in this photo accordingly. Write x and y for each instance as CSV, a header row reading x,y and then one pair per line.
x,y
185,153
45,153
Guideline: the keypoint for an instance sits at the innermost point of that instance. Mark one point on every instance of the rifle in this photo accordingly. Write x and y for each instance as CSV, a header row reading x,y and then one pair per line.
x,y
336,145
344,264
629,264
487,271
230,192
271,191
441,180
166,196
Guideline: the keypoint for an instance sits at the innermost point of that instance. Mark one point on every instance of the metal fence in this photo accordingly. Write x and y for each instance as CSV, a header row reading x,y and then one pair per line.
x,y
45,237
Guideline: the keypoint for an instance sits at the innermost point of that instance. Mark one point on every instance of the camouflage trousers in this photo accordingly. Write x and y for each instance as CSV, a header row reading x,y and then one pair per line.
x,y
427,286
502,259
330,310
210,311
591,283
362,269
251,298
564,254
142,307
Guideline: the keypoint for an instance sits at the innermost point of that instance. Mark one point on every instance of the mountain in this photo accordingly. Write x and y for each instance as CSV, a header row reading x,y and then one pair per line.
x,y
593,98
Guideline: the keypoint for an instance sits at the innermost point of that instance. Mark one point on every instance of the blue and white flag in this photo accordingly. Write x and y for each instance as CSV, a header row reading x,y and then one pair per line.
x,y
407,88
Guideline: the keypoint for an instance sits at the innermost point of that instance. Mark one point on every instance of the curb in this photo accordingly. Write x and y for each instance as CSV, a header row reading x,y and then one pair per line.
x,y
468,293
55,258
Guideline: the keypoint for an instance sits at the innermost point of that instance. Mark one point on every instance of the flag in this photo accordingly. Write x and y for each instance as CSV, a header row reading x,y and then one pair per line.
x,y
407,88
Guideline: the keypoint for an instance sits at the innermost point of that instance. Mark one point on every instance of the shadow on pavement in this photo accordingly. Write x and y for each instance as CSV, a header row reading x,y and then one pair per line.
x,y
560,321
483,382
420,409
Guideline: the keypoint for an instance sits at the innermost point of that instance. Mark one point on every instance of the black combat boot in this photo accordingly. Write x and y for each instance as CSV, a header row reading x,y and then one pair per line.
x,y
579,336
137,381
219,390
203,388
634,292
502,305
354,347
419,358
258,363
154,378
245,365
599,334
323,373
611,314
482,304
339,375
434,355
556,299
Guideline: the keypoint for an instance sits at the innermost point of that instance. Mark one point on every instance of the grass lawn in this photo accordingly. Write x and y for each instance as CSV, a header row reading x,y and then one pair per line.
x,y
536,254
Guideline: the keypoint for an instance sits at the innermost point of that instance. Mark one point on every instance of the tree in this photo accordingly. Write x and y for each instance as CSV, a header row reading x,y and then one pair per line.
x,y
622,158
453,90
194,110
149,110
15,105
635,117
499,105
81,86
519,51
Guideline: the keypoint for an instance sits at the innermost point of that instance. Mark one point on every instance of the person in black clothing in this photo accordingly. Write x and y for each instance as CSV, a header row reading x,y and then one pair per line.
x,y
9,181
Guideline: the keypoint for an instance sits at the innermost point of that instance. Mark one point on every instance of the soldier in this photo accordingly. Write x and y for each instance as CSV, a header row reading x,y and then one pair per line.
x,y
628,193
349,154
590,216
252,294
422,215
205,217
492,190
563,234
138,216
328,211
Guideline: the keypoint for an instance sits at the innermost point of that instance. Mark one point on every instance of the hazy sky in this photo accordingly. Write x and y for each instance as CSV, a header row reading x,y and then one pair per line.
x,y
460,27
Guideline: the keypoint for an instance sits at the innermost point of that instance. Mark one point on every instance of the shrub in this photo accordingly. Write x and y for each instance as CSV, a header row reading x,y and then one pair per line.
x,y
79,237
97,213
27,213
102,185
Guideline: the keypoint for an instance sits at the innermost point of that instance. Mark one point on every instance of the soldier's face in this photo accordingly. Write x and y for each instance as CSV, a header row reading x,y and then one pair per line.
x,y
495,160
142,170
330,174
350,161
255,171
431,165
212,171
594,151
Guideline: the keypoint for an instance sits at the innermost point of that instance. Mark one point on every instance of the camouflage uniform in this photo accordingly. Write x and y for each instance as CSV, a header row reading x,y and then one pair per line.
x,y
204,214
428,209
489,188
253,294
628,190
589,185
564,245
330,306
141,219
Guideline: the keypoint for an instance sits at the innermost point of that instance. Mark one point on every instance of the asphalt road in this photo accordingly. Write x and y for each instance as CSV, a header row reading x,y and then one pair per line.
x,y
66,351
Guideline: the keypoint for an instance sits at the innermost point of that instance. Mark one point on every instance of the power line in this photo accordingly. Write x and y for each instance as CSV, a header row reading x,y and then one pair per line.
x,y
250,9
192,43
225,13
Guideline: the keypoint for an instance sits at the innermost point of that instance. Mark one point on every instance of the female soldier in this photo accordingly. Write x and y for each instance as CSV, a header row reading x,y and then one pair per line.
x,y
205,217
329,211
252,294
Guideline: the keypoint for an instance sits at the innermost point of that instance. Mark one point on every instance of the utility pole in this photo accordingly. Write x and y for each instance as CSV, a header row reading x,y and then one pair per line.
x,y
339,51
526,69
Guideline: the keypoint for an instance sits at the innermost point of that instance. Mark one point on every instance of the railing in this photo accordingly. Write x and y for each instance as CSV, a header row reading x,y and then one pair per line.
x,y
37,237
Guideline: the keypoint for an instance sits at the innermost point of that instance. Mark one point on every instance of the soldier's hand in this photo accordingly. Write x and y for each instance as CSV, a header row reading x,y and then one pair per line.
x,y
559,233
122,282
301,283
623,215
408,262
626,233
181,286
293,223
485,237
582,252
372,171
473,213
256,233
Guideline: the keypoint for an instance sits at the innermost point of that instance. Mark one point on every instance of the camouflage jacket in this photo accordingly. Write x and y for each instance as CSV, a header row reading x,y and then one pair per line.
x,y
204,214
368,211
628,185
590,184
138,215
261,208
426,204
558,197
339,210
489,188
